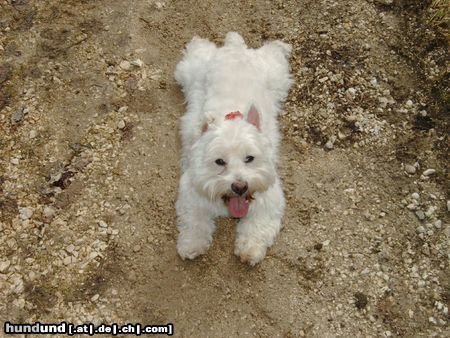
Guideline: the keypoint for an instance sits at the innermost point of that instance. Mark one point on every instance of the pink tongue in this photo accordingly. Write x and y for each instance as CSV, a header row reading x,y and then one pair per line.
x,y
238,206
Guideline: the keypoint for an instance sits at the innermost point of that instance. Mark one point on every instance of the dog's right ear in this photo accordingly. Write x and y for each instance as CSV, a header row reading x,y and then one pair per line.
x,y
209,122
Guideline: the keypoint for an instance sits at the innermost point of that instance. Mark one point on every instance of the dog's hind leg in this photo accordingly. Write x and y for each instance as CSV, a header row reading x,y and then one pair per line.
x,y
191,70
234,39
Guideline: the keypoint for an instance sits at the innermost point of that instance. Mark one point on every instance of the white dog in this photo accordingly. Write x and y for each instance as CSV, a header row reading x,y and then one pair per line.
x,y
230,143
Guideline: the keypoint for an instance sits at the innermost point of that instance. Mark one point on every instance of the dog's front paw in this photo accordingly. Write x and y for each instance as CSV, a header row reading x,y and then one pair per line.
x,y
250,251
191,248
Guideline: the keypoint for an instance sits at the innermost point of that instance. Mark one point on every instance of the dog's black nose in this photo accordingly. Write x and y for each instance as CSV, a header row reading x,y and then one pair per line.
x,y
239,187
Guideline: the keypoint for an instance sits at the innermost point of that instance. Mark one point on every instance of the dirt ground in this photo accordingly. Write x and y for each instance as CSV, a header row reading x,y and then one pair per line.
x,y
89,151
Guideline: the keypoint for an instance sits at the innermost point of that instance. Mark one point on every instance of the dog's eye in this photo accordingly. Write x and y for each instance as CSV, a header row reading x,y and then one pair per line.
x,y
221,162
249,159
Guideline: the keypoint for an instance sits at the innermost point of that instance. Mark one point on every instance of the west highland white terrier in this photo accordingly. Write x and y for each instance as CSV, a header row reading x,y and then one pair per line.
x,y
230,143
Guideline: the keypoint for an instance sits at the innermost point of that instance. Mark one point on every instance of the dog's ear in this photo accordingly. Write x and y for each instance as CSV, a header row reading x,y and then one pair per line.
x,y
253,117
210,122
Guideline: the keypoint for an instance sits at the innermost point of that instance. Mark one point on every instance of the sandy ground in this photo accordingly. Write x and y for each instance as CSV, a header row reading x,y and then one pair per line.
x,y
89,150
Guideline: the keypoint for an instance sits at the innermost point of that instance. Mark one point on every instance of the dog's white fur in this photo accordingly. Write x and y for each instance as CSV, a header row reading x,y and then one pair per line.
x,y
217,81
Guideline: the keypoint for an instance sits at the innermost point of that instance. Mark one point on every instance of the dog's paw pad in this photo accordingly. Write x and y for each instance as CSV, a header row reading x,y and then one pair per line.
x,y
250,252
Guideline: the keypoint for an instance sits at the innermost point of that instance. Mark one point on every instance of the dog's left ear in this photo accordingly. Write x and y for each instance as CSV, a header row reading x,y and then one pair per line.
x,y
253,117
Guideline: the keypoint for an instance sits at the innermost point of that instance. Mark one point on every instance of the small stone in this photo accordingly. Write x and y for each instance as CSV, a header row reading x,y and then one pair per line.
x,y
159,5
429,172
409,103
121,124
4,265
420,229
67,260
102,224
415,196
448,205
410,169
95,297
14,161
25,213
19,303
136,248
326,243
351,91
19,115
430,211
125,65
341,135
438,224
33,134
420,215
383,102
137,63
49,212
123,109
330,144
361,300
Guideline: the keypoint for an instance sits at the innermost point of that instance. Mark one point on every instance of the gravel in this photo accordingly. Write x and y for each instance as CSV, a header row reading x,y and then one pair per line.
x,y
410,169
98,152
429,172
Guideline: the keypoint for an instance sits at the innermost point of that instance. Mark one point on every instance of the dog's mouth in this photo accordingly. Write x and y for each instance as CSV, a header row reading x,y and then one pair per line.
x,y
237,205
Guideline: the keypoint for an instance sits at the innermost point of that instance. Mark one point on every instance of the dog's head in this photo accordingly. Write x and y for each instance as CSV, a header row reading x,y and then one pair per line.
x,y
232,161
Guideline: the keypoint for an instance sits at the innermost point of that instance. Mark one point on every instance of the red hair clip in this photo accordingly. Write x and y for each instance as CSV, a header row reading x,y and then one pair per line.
x,y
233,115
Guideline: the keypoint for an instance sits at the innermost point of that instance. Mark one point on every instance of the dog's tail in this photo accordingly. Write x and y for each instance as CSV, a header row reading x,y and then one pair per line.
x,y
234,39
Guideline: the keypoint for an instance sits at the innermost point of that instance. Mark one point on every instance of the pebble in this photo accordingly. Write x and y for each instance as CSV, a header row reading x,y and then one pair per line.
x,y
14,161
33,134
448,205
4,265
329,145
420,229
415,196
137,63
429,172
351,91
68,260
410,169
95,297
25,213
121,124
438,224
420,214
49,212
19,115
430,211
123,109
330,142
409,103
102,224
136,248
125,65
